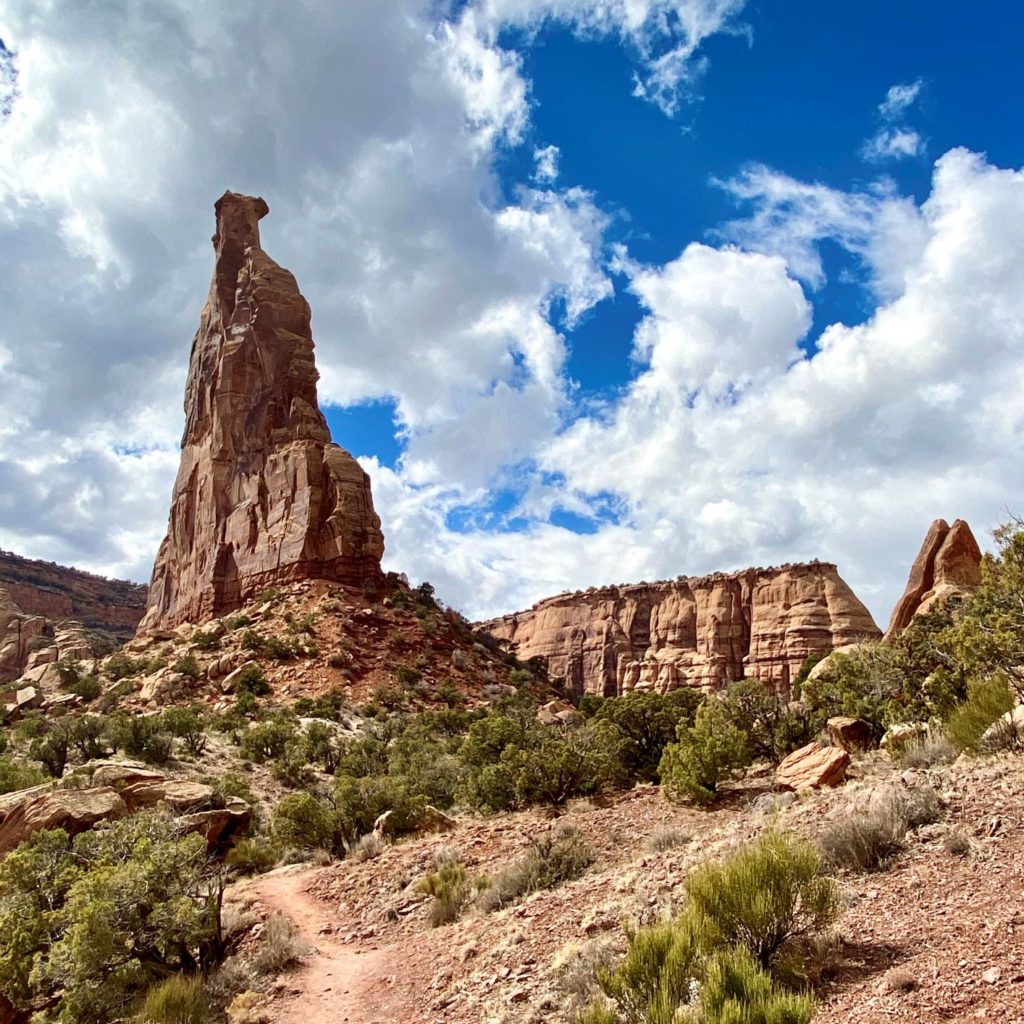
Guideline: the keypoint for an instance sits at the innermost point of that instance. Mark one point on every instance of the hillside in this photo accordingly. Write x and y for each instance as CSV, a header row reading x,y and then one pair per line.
x,y
59,592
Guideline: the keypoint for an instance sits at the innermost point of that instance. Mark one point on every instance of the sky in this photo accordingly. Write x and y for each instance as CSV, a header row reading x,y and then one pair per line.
x,y
603,290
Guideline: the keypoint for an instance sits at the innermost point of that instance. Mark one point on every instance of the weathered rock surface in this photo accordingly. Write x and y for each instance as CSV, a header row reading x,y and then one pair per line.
x,y
948,565
73,810
262,495
20,635
704,632
851,734
58,592
813,766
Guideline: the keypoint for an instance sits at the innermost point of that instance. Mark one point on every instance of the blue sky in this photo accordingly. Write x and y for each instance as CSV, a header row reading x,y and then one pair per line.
x,y
571,264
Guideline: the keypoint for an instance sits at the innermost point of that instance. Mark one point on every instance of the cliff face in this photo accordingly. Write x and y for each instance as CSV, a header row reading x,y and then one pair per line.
x,y
57,592
703,632
262,495
948,565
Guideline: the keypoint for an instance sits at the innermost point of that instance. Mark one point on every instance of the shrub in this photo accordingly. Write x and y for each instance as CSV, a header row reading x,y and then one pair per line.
x,y
15,775
321,744
281,946
88,688
707,752
360,802
303,822
450,693
773,727
252,682
338,660
450,889
987,701
648,722
141,736
120,665
252,856
265,741
868,840
188,666
88,734
666,838
763,895
407,676
368,847
187,724
233,622
179,999
51,749
736,990
551,860
656,977
207,640
95,922
926,752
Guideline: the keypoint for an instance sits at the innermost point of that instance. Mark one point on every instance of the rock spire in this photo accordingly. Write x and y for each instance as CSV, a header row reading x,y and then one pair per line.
x,y
262,496
948,564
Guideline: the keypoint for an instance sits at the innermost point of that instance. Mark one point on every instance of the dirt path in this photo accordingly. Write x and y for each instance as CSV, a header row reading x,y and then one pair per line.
x,y
340,982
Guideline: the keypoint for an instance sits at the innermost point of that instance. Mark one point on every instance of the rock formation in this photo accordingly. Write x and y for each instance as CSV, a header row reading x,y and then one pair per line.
x,y
262,495
703,632
948,565
58,592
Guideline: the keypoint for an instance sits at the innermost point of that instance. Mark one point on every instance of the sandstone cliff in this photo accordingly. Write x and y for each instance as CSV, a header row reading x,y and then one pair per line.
x,y
262,495
58,592
704,632
948,565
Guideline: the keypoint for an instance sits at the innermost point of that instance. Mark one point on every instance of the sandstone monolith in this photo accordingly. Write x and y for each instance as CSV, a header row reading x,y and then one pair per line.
x,y
948,565
262,495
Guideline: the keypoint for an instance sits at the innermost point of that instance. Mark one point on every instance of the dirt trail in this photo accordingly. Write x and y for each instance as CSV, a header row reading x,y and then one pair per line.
x,y
340,982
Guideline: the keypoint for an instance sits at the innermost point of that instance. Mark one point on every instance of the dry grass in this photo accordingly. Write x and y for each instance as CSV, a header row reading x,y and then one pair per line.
x,y
868,839
927,751
281,946
667,838
368,847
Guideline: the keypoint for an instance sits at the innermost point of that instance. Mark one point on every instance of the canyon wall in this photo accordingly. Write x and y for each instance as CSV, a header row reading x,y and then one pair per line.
x,y
703,632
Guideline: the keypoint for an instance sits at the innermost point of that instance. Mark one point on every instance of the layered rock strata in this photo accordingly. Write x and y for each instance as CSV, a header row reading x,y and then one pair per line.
x,y
948,565
58,592
702,632
262,495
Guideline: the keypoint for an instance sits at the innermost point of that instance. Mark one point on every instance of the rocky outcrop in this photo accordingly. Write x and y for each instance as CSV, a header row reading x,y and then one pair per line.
x,y
20,635
948,565
813,767
57,592
851,734
262,495
117,789
703,632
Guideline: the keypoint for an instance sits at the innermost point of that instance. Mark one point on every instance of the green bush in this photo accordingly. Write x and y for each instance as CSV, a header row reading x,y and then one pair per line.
x,y
188,725
120,665
773,727
88,688
188,665
360,802
266,741
550,861
207,640
707,752
252,856
89,736
303,822
736,990
52,748
765,894
179,999
251,682
87,926
987,701
648,722
15,775
141,736
407,676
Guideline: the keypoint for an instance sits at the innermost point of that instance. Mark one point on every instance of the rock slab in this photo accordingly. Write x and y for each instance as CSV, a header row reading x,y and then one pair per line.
x,y
813,766
262,495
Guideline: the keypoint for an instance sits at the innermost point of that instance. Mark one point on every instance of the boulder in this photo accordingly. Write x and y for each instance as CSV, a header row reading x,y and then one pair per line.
x,y
898,736
851,734
558,712
813,767
179,796
230,681
73,810
219,826
262,495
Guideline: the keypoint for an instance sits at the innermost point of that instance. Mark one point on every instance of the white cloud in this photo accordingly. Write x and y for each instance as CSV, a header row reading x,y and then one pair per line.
x,y
546,160
893,143
899,99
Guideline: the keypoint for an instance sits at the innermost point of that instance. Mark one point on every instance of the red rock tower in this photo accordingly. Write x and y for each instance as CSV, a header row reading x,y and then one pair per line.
x,y
262,495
